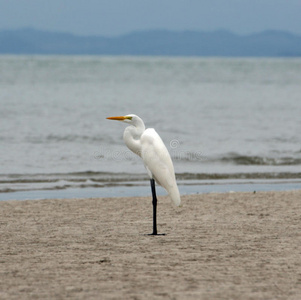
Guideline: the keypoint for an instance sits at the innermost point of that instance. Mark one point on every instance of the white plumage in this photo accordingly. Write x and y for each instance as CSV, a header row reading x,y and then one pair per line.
x,y
158,163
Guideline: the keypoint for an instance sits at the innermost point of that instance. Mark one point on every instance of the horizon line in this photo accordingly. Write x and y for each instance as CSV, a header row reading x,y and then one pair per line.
x,y
228,31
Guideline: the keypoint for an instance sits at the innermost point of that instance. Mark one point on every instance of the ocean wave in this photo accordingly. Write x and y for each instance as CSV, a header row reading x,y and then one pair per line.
x,y
238,159
90,179
236,176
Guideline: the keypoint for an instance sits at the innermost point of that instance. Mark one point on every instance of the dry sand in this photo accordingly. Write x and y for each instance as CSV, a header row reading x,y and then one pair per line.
x,y
217,246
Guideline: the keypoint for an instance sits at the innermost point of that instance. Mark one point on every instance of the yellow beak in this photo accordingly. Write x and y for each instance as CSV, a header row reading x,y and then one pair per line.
x,y
120,118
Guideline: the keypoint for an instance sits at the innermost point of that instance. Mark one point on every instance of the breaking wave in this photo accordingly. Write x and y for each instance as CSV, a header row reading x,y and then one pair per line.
x,y
237,159
89,179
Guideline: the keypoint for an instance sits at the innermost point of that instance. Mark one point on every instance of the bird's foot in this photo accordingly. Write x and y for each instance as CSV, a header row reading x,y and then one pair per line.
x,y
156,234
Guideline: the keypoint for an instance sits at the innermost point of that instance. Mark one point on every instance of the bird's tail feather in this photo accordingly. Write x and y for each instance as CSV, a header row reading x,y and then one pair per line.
x,y
174,195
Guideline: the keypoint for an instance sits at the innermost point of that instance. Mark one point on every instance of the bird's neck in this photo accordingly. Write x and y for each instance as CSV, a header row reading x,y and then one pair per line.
x,y
132,136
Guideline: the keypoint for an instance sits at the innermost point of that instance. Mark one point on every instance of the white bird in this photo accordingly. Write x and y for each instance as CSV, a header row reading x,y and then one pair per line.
x,y
149,146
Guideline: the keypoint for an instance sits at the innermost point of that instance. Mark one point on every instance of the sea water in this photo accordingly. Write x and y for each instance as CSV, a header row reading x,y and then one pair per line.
x,y
232,120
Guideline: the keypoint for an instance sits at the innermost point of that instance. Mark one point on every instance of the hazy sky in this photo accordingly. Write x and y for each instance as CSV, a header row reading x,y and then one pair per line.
x,y
115,17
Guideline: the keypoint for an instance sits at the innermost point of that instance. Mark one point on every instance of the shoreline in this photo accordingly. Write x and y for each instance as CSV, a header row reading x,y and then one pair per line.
x,y
217,246
141,189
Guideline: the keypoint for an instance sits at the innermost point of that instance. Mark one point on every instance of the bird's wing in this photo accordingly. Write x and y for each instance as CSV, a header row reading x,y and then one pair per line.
x,y
158,163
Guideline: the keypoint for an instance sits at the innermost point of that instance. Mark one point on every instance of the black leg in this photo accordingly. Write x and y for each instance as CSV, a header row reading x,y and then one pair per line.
x,y
152,181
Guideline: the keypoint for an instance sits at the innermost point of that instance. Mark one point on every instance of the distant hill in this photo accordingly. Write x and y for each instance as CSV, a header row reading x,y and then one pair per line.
x,y
153,42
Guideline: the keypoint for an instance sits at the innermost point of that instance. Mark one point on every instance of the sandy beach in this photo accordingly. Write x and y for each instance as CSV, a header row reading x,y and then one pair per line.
x,y
217,246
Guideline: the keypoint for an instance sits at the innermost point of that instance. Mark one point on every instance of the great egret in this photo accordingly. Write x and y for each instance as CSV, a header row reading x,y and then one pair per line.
x,y
149,146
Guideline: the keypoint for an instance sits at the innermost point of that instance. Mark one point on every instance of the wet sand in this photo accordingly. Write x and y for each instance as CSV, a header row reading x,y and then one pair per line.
x,y
217,246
